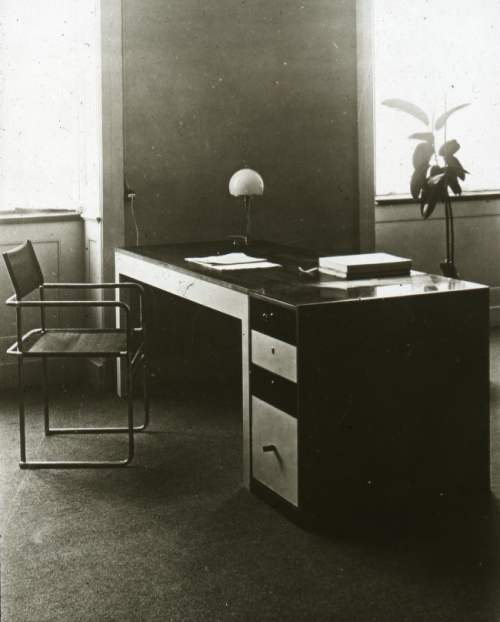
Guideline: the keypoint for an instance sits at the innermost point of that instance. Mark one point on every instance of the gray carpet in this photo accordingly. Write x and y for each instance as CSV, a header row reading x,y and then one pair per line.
x,y
174,537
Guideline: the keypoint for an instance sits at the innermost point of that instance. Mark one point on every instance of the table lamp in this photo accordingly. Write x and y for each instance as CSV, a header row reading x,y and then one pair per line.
x,y
246,183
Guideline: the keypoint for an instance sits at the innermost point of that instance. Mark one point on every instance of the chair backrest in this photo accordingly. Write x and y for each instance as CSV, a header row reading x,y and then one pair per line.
x,y
24,269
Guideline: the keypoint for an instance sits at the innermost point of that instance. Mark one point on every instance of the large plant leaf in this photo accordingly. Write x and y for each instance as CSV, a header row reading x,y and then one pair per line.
x,y
428,137
449,148
455,165
418,180
430,197
440,121
436,170
422,154
404,106
435,179
452,181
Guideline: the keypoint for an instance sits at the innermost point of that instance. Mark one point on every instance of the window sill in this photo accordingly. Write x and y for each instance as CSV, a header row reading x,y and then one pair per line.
x,y
406,199
464,207
16,218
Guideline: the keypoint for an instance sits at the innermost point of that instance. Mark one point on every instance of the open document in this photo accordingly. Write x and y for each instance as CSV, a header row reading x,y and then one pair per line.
x,y
232,261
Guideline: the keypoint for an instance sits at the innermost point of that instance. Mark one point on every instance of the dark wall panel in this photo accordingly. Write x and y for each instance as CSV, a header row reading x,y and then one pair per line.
x,y
213,86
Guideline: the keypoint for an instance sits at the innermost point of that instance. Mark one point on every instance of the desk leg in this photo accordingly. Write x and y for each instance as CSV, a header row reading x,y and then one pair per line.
x,y
245,367
228,301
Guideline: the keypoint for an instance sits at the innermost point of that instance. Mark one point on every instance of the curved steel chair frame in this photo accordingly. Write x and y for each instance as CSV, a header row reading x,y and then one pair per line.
x,y
134,359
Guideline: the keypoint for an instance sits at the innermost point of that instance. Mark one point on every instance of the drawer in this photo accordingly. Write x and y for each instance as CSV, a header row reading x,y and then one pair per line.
x,y
273,320
273,389
274,355
274,450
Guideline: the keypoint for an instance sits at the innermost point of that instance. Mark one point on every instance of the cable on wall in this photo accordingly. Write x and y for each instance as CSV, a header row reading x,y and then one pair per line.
x,y
131,197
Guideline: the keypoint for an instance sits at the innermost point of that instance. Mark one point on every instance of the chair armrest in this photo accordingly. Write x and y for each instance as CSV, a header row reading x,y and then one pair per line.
x,y
12,302
139,288
136,286
45,304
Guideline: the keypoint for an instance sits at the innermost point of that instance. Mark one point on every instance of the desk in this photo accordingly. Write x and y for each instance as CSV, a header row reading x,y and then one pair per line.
x,y
349,393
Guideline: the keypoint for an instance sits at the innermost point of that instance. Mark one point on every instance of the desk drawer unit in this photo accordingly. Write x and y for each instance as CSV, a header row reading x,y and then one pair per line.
x,y
274,401
340,421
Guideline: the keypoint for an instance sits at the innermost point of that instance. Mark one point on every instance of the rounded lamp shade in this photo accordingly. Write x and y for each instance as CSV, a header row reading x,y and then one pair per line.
x,y
246,183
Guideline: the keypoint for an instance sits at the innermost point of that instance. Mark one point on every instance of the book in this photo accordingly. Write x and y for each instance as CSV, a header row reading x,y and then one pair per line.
x,y
369,274
367,264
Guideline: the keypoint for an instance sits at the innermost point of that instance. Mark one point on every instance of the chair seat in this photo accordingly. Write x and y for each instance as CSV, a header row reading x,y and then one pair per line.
x,y
67,343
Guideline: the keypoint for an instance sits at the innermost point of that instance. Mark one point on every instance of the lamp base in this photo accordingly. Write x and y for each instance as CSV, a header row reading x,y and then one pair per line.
x,y
247,218
448,269
238,240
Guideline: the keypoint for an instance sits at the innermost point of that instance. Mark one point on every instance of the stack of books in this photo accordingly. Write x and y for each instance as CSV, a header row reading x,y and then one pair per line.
x,y
365,266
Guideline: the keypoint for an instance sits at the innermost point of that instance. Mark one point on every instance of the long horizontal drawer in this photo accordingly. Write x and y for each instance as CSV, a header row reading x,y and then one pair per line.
x,y
274,450
274,355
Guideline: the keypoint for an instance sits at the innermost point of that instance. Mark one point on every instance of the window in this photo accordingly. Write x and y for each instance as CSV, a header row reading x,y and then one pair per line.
x,y
437,55
49,143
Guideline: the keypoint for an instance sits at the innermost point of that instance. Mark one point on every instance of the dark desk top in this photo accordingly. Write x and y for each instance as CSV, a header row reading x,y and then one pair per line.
x,y
287,283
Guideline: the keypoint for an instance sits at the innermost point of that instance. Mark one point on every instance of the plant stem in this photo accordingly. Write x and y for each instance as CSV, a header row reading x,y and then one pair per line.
x,y
450,238
447,221
452,235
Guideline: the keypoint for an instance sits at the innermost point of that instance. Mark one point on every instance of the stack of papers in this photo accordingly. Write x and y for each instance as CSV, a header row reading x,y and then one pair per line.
x,y
232,261
368,265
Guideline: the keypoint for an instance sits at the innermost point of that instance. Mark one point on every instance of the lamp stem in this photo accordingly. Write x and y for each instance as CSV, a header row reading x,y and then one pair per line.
x,y
247,216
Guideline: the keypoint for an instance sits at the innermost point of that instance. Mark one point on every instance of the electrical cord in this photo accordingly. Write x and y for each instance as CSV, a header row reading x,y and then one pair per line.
x,y
131,196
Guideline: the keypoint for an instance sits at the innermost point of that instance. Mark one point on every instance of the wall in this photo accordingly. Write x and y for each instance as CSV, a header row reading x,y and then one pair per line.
x,y
401,230
211,87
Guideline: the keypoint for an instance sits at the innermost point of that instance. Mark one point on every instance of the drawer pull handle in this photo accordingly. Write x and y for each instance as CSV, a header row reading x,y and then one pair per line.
x,y
268,448
273,351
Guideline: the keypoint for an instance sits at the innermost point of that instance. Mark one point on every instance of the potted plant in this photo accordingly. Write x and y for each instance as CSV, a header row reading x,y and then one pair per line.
x,y
431,182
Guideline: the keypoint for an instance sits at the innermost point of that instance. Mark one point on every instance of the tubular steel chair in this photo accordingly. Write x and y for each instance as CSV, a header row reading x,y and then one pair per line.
x,y
26,276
